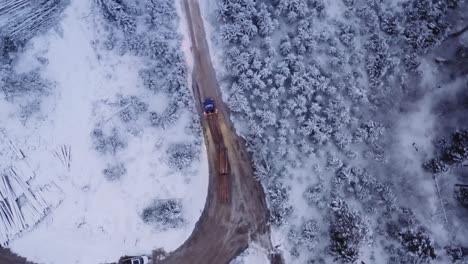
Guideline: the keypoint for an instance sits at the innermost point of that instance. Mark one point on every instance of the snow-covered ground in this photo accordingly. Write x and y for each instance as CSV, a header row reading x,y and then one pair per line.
x,y
252,255
98,220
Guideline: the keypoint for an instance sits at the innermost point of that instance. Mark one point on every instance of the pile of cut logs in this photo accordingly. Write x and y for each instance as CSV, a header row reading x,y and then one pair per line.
x,y
21,205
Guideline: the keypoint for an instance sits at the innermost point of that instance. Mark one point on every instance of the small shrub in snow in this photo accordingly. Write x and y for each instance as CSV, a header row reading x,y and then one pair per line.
x,y
279,203
365,187
419,244
114,172
29,109
435,166
166,119
293,9
265,23
108,143
19,85
392,229
453,154
306,235
319,260
411,62
376,44
454,3
162,13
458,151
341,140
164,214
346,34
181,156
368,15
133,102
136,44
7,46
349,2
238,103
455,254
377,66
309,233
348,232
230,33
158,46
285,47
369,132
140,106
362,185
406,218
315,195
152,78
99,140
389,23
319,6
462,196
116,13
127,115
333,163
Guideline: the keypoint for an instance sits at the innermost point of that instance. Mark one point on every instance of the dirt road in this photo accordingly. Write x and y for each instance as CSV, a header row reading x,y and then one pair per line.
x,y
224,229
6,256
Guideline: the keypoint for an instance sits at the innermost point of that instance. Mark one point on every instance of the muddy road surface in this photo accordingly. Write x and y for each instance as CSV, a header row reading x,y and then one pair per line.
x,y
224,230
8,257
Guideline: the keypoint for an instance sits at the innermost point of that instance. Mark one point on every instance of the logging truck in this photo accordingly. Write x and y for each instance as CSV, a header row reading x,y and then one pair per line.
x,y
222,165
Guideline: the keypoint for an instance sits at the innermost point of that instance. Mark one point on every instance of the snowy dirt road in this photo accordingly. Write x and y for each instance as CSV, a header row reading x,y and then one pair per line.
x,y
6,256
224,229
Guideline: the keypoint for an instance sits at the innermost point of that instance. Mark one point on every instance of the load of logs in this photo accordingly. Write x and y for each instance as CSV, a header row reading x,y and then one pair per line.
x,y
22,206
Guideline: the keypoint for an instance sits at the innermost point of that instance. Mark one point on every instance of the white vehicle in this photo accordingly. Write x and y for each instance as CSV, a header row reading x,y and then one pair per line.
x,y
137,260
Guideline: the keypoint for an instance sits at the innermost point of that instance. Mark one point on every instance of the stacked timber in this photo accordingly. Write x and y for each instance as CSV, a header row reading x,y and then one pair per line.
x,y
22,19
22,204
22,208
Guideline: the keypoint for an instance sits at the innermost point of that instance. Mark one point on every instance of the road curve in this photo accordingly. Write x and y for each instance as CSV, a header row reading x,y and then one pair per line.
x,y
6,256
224,230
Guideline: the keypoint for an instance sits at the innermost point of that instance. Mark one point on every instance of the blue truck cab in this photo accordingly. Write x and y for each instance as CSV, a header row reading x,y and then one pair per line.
x,y
209,106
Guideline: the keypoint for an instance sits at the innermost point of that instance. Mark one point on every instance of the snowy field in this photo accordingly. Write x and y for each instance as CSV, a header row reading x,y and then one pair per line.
x,y
109,168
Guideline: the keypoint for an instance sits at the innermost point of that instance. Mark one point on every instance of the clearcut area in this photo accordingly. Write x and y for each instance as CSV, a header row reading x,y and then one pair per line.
x,y
126,160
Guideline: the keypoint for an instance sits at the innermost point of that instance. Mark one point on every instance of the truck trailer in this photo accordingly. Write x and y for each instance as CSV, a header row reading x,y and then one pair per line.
x,y
222,164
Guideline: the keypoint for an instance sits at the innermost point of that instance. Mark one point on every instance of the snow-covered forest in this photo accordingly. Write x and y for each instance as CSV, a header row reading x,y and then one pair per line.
x,y
98,123
355,114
